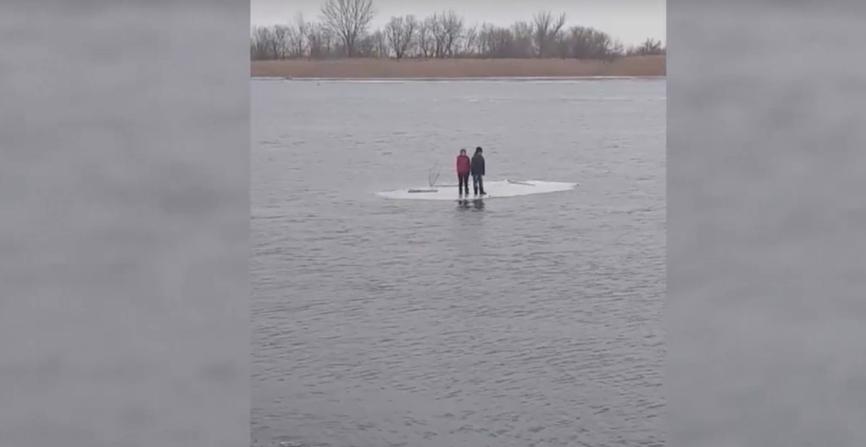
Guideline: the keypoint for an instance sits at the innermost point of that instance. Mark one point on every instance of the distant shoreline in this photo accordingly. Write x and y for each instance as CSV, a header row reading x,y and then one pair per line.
x,y
465,69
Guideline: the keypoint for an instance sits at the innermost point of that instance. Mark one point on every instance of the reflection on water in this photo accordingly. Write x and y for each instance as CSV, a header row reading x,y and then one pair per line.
x,y
477,204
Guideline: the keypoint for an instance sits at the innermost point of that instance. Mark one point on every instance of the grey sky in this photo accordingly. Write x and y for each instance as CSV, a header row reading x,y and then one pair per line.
x,y
631,21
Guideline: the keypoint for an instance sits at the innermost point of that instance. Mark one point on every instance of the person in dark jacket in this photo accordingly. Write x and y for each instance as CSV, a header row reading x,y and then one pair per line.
x,y
477,169
463,168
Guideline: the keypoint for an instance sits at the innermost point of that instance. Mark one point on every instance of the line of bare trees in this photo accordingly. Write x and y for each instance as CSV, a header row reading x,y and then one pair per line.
x,y
344,31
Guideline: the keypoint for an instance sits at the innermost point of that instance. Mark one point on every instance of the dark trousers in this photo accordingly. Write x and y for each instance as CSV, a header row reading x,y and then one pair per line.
x,y
477,184
463,184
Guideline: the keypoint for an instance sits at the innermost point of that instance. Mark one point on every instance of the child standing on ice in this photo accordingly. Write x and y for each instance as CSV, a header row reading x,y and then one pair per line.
x,y
463,169
477,170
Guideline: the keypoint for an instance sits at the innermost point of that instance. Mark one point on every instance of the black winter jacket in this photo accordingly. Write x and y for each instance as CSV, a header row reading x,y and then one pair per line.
x,y
477,164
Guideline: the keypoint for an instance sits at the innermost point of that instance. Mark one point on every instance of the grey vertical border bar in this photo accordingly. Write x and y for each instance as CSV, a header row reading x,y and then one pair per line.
x,y
766,310
124,173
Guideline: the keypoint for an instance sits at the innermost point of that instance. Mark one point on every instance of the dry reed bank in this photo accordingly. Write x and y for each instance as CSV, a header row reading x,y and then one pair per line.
x,y
459,68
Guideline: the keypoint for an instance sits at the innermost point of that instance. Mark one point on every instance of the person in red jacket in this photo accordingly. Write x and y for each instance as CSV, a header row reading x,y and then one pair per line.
x,y
463,168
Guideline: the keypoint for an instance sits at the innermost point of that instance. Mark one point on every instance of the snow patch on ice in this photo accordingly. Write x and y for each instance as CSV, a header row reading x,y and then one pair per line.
x,y
494,189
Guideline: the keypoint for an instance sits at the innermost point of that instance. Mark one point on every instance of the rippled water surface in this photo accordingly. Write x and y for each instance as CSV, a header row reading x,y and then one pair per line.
x,y
522,321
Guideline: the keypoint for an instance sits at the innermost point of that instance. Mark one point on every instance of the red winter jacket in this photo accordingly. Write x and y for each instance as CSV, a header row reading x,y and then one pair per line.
x,y
463,164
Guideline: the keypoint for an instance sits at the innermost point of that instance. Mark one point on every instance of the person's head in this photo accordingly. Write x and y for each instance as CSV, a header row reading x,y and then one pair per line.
x,y
462,151
478,150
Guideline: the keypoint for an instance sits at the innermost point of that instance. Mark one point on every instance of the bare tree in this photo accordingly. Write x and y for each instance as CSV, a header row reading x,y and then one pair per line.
x,y
298,37
400,32
262,43
343,31
496,42
561,44
616,50
452,30
426,40
546,29
470,41
485,40
522,40
438,35
280,35
295,43
447,29
349,19
319,41
648,47
365,46
381,43
589,43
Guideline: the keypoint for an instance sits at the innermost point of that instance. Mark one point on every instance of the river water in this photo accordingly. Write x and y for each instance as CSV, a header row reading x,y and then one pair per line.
x,y
522,321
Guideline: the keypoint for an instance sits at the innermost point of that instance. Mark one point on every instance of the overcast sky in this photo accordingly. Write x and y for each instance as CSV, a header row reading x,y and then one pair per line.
x,y
631,21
